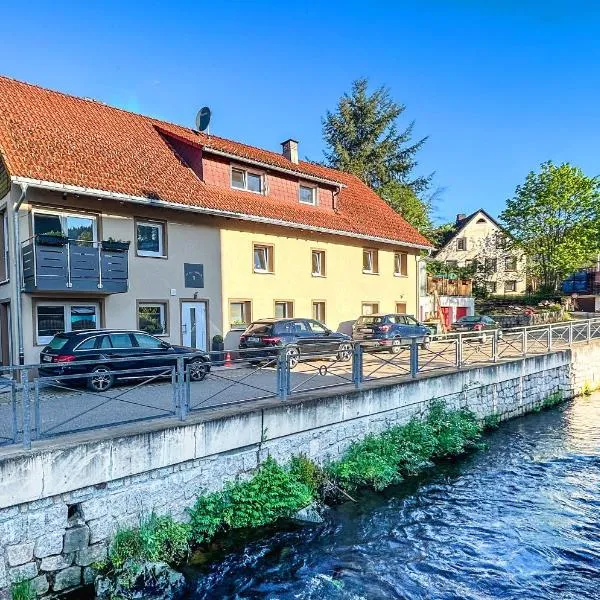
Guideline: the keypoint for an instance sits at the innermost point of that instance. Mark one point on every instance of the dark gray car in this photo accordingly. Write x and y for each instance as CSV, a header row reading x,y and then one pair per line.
x,y
302,338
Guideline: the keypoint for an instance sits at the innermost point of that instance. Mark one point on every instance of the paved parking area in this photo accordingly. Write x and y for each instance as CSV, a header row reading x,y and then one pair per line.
x,y
65,408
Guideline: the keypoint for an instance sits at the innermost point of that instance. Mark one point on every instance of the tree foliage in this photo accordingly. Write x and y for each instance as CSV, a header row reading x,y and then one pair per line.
x,y
363,138
555,218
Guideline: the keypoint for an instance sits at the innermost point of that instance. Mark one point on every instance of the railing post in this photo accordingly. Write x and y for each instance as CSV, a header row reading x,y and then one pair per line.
x,y
550,337
282,368
495,347
570,334
459,351
414,357
525,340
26,406
181,388
36,409
588,331
357,365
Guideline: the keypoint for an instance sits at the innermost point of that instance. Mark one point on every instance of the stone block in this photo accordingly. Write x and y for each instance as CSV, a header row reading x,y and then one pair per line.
x,y
95,508
90,555
76,538
56,563
101,530
19,554
39,585
12,531
89,576
3,574
68,578
27,571
49,544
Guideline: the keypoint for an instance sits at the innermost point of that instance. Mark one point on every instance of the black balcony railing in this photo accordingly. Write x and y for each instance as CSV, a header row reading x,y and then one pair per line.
x,y
73,266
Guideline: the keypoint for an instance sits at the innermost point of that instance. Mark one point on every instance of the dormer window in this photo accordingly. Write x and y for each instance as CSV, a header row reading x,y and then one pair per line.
x,y
308,194
242,179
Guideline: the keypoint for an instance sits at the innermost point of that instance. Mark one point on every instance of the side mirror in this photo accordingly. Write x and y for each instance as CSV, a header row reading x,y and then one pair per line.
x,y
165,345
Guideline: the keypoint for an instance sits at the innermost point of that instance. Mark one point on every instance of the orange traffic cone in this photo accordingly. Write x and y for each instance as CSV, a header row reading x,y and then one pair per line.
x,y
227,362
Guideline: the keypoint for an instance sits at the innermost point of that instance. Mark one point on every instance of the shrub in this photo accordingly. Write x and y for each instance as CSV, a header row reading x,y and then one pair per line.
x,y
383,459
157,539
272,493
307,472
22,590
491,421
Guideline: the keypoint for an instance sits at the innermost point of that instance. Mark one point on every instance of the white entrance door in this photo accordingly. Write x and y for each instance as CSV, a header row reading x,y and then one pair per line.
x,y
193,324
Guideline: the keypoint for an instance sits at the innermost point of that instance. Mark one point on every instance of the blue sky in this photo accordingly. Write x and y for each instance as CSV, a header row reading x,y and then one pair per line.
x,y
498,86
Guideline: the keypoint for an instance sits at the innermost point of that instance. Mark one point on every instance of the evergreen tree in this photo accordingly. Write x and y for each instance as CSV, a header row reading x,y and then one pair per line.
x,y
362,137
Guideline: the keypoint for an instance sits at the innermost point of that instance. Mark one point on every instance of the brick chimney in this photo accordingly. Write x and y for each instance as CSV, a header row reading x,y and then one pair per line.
x,y
290,150
460,217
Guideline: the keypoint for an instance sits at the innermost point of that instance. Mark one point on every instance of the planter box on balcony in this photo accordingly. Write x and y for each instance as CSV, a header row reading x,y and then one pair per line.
x,y
49,239
111,246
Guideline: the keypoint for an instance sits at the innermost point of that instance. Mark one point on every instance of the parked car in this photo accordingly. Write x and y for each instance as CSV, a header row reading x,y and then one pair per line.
x,y
481,326
62,355
302,338
390,331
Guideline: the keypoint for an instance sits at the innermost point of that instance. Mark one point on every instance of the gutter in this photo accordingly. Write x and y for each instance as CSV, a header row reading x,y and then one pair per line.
x,y
18,266
73,189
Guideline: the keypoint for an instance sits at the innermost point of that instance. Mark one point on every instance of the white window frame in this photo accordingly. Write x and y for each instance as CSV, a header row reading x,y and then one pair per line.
x,y
373,305
66,306
288,309
163,316
374,260
63,215
161,239
313,189
314,315
246,308
245,171
461,244
269,258
513,282
398,264
322,263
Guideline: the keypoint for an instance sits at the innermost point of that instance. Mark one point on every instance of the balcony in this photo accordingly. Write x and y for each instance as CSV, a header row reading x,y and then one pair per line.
x,y
444,286
74,267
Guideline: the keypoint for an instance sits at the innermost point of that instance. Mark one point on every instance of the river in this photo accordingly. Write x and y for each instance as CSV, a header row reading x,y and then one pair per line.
x,y
518,520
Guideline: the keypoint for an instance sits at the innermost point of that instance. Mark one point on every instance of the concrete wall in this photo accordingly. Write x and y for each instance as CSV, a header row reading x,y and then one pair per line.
x,y
61,502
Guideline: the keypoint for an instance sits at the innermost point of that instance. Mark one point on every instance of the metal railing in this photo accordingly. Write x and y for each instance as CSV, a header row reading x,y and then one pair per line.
x,y
36,405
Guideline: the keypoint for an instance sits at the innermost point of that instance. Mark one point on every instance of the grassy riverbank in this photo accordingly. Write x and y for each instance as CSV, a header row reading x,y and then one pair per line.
x,y
277,492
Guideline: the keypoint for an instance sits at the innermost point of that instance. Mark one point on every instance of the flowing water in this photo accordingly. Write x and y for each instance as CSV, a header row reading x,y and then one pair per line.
x,y
518,520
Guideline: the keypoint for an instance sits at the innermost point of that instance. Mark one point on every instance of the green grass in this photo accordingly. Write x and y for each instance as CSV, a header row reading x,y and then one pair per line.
x,y
22,590
384,459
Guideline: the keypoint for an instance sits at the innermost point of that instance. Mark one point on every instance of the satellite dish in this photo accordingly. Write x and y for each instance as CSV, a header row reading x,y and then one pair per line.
x,y
203,118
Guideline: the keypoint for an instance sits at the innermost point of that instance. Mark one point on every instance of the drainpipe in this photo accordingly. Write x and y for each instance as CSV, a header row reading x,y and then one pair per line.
x,y
18,275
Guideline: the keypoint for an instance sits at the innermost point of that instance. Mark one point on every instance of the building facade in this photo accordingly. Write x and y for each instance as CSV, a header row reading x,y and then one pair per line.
x,y
112,219
479,241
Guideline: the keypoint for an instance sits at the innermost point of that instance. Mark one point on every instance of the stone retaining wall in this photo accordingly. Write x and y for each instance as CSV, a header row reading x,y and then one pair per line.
x,y
61,502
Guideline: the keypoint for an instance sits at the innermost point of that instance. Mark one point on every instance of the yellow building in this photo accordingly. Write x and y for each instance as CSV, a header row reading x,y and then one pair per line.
x,y
210,233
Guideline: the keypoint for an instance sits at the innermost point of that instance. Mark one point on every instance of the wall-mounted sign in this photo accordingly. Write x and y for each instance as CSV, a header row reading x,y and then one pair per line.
x,y
193,275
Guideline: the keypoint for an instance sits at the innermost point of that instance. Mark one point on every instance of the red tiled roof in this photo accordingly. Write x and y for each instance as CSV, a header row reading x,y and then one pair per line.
x,y
51,136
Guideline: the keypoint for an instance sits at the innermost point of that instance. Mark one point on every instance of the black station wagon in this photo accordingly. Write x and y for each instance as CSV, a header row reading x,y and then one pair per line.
x,y
103,346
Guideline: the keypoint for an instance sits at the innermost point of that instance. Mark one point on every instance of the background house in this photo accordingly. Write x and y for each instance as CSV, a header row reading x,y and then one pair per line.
x,y
480,242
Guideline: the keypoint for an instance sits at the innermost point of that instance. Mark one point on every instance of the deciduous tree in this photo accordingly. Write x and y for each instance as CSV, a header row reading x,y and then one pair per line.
x,y
554,217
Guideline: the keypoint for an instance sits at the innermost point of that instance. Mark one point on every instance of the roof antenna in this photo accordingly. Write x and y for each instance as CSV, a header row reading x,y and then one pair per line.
x,y
203,120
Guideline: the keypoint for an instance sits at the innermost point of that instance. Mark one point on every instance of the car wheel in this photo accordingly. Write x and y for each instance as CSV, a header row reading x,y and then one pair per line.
x,y
396,346
292,356
426,343
100,379
197,369
344,352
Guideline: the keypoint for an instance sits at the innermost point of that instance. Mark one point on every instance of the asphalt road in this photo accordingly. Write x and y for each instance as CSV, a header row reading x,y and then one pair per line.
x,y
65,408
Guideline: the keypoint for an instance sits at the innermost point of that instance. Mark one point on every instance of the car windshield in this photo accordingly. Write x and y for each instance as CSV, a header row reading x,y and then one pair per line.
x,y
472,319
370,320
411,320
259,329
58,342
